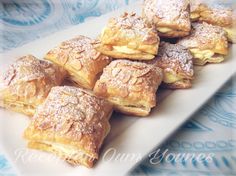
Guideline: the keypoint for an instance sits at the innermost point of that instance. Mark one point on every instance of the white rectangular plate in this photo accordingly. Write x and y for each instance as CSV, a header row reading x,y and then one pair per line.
x,y
129,135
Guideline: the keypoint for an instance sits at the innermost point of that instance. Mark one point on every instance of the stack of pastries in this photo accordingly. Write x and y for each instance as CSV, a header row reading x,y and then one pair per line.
x,y
72,93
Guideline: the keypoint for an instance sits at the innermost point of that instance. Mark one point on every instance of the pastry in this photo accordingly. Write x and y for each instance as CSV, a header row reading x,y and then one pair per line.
x,y
128,36
223,16
177,65
130,86
231,31
207,43
27,82
196,7
215,14
71,123
78,56
170,17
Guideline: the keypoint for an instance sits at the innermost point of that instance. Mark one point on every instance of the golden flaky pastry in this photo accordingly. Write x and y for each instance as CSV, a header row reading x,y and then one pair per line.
x,y
128,36
196,7
171,17
220,15
176,62
27,82
131,86
80,59
207,43
215,14
71,123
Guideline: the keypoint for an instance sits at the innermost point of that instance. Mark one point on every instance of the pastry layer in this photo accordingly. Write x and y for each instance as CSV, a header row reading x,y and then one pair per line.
x,y
28,109
171,78
27,82
206,41
215,14
231,33
183,84
171,17
72,123
129,36
176,62
130,86
70,154
79,57
196,7
201,57
194,16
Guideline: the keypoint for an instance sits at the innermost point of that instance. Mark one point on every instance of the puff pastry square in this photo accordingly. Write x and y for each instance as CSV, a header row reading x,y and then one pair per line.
x,y
71,123
27,82
207,43
171,17
220,15
78,56
129,36
177,65
130,86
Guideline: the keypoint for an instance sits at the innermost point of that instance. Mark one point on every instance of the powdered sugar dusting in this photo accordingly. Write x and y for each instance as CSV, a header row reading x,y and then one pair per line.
x,y
79,57
219,10
204,36
29,81
74,112
174,11
219,15
133,25
131,77
78,47
80,51
175,57
28,68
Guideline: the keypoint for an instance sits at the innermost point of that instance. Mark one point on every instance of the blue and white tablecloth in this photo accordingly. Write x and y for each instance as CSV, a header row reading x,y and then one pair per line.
x,y
210,133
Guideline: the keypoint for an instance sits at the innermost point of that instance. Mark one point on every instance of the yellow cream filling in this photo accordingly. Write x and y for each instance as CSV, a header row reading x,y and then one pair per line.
x,y
19,107
125,49
64,148
231,32
194,15
164,29
171,78
67,150
202,54
124,102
